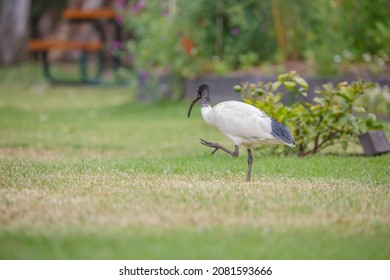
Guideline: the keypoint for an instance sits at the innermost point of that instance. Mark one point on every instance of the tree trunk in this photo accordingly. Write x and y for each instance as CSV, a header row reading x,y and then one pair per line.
x,y
14,30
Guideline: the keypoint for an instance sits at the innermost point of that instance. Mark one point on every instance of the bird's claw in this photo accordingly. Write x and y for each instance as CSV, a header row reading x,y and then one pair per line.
x,y
209,144
206,143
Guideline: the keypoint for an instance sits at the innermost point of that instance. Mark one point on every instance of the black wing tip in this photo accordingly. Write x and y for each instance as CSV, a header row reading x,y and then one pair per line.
x,y
282,133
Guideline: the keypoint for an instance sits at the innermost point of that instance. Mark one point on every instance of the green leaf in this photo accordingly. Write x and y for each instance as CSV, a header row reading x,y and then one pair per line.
x,y
301,91
300,81
328,88
237,88
278,97
275,85
362,127
376,126
318,100
289,85
342,84
259,91
372,117
282,77
345,96
248,100
359,109
371,121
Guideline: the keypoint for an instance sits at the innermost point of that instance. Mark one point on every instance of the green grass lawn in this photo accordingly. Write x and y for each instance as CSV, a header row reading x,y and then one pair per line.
x,y
88,173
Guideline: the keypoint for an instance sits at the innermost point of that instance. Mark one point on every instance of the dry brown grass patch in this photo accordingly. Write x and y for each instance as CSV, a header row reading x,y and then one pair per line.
x,y
126,201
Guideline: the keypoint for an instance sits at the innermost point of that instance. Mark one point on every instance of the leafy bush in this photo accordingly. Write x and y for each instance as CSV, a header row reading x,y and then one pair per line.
x,y
332,117
188,38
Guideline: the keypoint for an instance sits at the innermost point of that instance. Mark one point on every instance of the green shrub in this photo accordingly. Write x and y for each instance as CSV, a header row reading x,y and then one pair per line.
x,y
332,117
189,38
248,59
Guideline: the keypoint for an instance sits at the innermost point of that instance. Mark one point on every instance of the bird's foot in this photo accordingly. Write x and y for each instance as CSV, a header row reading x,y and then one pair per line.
x,y
220,147
211,145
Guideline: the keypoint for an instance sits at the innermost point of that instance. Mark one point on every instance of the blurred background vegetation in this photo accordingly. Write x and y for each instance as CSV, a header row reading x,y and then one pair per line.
x,y
125,179
188,38
181,39
193,37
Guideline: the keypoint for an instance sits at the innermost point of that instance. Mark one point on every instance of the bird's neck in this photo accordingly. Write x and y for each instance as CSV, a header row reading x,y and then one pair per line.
x,y
207,114
205,99
206,109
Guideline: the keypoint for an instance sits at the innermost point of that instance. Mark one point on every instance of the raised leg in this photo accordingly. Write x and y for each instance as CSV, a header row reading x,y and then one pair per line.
x,y
220,147
250,160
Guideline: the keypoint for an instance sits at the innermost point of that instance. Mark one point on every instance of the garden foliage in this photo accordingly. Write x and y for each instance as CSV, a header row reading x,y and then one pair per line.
x,y
187,38
331,117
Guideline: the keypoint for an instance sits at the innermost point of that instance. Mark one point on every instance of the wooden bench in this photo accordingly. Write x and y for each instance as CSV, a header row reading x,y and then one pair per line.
x,y
43,46
96,17
75,15
96,14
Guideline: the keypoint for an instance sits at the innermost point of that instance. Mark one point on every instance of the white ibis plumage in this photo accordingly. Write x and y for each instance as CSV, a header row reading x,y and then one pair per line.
x,y
243,124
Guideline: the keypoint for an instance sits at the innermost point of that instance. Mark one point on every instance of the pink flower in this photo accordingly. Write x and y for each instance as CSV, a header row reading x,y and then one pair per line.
x,y
120,4
120,19
235,31
143,77
116,45
138,6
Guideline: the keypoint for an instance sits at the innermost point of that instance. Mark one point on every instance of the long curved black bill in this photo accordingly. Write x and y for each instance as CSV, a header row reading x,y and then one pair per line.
x,y
192,104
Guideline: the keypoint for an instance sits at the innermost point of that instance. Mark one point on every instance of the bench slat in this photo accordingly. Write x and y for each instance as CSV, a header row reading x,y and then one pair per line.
x,y
45,45
80,14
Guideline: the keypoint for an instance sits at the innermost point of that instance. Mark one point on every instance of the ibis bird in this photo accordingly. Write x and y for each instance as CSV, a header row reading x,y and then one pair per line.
x,y
243,124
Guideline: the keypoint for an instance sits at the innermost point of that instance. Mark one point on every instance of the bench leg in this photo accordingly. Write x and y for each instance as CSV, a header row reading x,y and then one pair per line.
x,y
100,66
83,67
84,79
46,66
118,37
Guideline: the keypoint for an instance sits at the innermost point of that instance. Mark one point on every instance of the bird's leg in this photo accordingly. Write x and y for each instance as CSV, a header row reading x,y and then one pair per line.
x,y
220,147
250,160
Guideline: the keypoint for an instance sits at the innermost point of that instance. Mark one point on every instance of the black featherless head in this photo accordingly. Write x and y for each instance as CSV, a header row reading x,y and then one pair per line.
x,y
203,93
203,88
